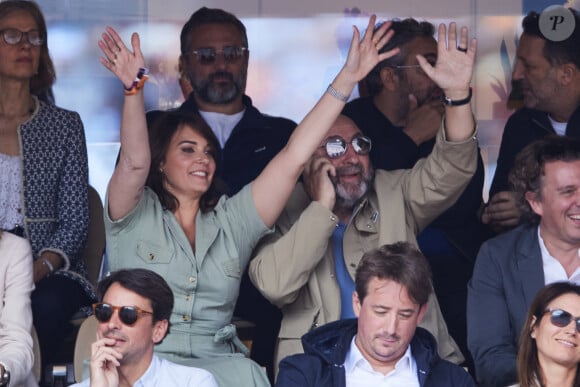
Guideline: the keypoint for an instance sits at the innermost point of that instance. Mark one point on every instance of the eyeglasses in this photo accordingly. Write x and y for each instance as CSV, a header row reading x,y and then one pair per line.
x,y
230,54
127,314
416,66
561,318
337,146
13,36
408,67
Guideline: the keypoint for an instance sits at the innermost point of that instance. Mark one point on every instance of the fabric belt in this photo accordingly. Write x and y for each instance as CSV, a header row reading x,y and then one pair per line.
x,y
224,335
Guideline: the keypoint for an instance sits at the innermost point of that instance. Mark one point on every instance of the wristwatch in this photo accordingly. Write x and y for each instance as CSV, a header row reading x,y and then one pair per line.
x,y
4,376
452,102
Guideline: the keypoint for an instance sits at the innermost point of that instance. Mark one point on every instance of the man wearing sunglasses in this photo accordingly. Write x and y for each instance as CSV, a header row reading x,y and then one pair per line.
x,y
133,316
214,59
512,267
401,115
343,209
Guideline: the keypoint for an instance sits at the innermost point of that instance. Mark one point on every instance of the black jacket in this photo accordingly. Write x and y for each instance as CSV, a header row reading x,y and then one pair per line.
x,y
322,364
522,128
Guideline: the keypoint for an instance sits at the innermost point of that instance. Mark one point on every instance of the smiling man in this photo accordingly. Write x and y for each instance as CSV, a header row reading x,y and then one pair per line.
x,y
383,346
133,316
511,268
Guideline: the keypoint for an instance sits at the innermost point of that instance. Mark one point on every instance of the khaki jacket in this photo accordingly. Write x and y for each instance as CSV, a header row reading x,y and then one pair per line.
x,y
294,267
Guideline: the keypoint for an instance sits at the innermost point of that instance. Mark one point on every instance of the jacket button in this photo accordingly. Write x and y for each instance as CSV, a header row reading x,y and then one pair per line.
x,y
151,256
185,317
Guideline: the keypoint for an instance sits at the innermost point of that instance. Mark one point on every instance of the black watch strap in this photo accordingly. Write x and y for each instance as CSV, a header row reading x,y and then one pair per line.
x,y
457,102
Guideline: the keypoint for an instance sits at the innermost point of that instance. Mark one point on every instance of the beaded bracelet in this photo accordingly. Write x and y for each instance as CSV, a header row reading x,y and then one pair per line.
x,y
138,82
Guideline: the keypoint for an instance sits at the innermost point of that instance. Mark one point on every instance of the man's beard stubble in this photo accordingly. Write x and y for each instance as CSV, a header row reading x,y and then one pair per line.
x,y
207,92
349,195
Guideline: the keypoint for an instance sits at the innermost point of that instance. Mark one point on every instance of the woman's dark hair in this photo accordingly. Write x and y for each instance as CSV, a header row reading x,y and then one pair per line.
x,y
43,80
529,370
162,130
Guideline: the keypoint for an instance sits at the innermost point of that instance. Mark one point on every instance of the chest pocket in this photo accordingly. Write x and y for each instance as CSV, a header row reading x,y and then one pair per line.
x,y
232,268
154,254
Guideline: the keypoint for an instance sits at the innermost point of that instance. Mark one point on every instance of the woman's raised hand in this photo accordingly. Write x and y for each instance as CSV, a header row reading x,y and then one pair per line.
x,y
363,54
118,59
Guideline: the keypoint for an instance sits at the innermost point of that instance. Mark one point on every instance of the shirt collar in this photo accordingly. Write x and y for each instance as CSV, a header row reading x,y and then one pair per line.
x,y
354,358
148,378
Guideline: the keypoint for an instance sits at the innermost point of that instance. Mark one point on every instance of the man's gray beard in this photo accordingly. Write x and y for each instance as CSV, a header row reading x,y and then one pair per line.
x,y
348,201
204,90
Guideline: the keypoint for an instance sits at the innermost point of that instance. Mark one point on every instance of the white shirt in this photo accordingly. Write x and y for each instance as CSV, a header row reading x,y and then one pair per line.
x,y
221,124
559,127
359,372
553,269
163,373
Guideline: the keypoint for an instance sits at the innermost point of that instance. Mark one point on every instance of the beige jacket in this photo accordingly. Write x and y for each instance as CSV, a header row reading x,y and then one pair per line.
x,y
294,267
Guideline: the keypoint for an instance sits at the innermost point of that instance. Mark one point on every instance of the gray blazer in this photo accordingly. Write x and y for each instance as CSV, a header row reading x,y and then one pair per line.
x,y
507,275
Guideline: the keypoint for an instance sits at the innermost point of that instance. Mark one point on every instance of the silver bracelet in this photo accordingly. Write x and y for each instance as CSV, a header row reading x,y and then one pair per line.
x,y
48,264
336,94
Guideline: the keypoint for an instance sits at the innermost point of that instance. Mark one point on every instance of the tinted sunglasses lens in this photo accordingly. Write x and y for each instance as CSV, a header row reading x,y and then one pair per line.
x,y
103,312
128,315
232,54
335,147
206,55
560,318
361,145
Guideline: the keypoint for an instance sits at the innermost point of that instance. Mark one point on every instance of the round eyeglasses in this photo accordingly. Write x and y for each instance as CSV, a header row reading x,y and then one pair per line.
x,y
127,314
337,146
12,36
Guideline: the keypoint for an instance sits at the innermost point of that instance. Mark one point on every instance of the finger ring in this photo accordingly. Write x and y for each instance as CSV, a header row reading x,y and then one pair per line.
x,y
113,62
462,49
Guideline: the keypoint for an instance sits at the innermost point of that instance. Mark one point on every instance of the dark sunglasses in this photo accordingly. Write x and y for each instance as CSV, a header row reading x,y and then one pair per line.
x,y
561,318
337,146
230,54
13,36
127,314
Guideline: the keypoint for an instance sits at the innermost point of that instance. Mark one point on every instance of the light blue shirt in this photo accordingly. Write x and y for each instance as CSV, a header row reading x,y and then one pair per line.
x,y
163,373
345,281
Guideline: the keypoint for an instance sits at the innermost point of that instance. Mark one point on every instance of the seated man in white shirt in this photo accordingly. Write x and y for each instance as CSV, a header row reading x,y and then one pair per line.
x,y
133,316
383,346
